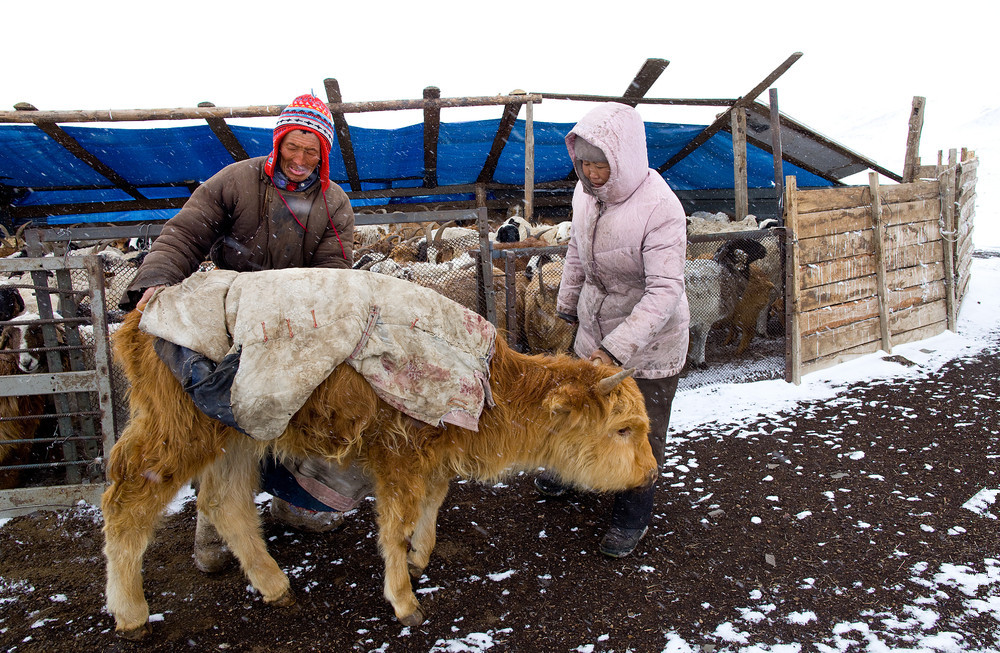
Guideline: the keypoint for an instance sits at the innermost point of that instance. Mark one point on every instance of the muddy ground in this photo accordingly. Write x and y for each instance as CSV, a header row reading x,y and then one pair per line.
x,y
774,532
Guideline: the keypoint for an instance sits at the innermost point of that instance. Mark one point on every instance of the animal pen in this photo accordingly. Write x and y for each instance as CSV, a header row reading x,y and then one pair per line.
x,y
852,269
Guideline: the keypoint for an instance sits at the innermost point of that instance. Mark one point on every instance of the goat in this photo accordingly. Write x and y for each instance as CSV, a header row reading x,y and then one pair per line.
x,y
12,245
714,286
544,331
753,304
19,415
11,303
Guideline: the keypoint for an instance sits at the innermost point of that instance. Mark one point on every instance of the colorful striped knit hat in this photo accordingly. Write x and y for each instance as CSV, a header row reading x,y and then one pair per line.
x,y
311,114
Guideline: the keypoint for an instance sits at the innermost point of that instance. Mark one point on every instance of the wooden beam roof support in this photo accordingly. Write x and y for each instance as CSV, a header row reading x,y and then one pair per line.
x,y
911,163
674,102
225,135
776,154
644,79
432,129
723,120
794,126
334,97
739,130
507,121
56,133
529,162
258,111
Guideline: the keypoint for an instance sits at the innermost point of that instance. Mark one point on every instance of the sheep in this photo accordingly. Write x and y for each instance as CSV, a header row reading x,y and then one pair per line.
x,y
513,229
700,223
714,287
366,235
753,304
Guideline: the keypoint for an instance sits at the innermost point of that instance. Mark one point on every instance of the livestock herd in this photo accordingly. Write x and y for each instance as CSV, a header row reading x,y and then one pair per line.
x,y
735,287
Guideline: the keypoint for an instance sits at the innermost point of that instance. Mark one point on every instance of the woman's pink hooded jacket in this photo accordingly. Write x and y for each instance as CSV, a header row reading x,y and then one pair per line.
x,y
624,271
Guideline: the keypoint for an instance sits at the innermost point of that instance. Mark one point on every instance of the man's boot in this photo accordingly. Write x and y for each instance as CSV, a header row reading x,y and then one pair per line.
x,y
303,519
211,555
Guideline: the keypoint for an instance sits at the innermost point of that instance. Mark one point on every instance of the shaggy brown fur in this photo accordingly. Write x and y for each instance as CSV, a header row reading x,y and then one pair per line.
x,y
560,413
743,322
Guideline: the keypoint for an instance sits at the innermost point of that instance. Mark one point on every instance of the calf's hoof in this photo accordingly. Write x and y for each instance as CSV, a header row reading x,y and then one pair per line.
x,y
415,571
413,619
286,599
135,634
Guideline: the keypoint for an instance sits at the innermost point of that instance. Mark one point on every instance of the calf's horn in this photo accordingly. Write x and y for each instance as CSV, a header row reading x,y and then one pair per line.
x,y
606,385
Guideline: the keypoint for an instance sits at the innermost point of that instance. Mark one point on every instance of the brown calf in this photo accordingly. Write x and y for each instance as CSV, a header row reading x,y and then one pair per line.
x,y
586,422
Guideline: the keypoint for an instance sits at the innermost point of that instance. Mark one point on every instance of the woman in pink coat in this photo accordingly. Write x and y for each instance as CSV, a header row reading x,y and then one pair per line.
x,y
623,282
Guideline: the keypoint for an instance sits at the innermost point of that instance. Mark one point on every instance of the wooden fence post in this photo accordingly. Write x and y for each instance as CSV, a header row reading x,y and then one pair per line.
x,y
911,163
529,162
793,337
882,292
739,129
484,270
947,187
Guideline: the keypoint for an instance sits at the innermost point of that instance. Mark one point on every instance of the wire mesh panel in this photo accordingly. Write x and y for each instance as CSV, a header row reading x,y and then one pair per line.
x,y
735,288
531,285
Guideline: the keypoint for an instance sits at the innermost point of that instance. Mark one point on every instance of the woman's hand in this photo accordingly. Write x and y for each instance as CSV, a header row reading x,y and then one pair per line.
x,y
600,356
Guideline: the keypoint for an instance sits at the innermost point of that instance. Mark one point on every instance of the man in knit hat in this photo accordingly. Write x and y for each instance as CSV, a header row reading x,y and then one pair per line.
x,y
265,213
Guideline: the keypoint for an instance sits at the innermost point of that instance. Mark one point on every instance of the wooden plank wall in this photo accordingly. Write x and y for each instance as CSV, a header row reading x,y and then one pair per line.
x,y
842,275
964,214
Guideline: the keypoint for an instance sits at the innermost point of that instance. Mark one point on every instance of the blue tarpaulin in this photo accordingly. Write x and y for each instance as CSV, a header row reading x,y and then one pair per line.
x,y
168,162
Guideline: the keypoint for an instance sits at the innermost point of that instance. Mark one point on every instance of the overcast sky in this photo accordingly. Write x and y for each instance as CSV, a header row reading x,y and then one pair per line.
x,y
862,63
860,57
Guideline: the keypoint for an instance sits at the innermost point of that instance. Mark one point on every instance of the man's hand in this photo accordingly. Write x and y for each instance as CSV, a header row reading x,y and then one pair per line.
x,y
146,296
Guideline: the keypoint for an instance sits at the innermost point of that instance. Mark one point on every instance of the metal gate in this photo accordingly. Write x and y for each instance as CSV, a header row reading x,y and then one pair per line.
x,y
58,451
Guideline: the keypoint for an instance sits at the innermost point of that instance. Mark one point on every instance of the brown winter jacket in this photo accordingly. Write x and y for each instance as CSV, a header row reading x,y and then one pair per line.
x,y
238,218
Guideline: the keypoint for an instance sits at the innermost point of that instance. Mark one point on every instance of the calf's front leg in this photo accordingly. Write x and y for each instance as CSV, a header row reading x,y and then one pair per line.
x,y
143,482
226,499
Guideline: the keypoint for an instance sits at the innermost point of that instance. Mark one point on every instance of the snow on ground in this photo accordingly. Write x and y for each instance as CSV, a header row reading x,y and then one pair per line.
x,y
740,402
